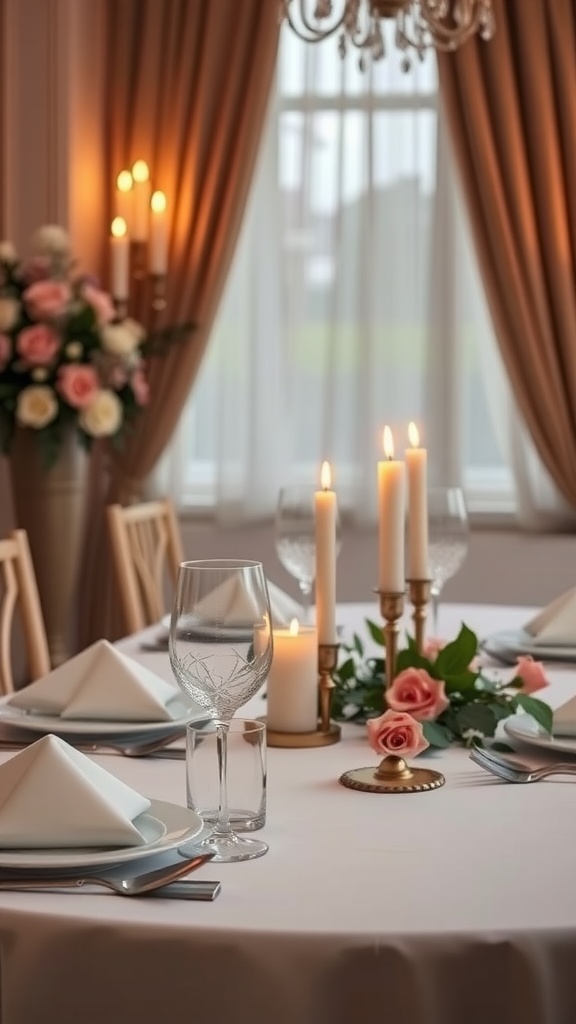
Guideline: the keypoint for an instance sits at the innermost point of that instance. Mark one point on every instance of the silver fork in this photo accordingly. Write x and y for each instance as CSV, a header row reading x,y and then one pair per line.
x,y
516,771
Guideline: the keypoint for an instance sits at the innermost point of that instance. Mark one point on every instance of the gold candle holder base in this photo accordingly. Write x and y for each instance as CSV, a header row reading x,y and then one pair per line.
x,y
327,662
392,775
318,738
391,609
419,593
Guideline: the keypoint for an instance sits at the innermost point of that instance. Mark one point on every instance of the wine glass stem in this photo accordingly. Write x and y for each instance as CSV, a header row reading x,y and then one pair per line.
x,y
435,602
222,827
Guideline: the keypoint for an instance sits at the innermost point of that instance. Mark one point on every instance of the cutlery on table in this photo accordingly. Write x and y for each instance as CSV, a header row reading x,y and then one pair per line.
x,y
128,748
516,771
155,882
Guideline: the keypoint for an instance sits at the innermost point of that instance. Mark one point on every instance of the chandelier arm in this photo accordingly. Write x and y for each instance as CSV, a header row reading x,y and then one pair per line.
x,y
316,34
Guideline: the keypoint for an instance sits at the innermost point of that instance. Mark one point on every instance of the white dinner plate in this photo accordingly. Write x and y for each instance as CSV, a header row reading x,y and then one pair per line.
x,y
182,714
526,729
165,826
510,643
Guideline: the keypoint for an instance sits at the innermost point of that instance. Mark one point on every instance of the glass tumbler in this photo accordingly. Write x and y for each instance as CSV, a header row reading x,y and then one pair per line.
x,y
246,772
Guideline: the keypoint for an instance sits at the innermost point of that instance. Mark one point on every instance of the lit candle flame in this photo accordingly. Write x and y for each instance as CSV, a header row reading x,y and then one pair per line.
x,y
158,202
413,435
388,442
124,181
118,227
293,630
140,171
326,476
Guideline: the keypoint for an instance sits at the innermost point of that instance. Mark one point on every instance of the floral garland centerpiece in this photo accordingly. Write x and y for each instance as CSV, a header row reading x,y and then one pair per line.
x,y
66,359
437,698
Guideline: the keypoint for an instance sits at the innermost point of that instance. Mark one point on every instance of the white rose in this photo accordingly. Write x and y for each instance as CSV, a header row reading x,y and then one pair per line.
x,y
119,340
36,407
8,253
136,329
103,416
51,240
9,313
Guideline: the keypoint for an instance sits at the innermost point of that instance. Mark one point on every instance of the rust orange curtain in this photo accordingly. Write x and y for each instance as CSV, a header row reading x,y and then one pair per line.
x,y
511,106
187,91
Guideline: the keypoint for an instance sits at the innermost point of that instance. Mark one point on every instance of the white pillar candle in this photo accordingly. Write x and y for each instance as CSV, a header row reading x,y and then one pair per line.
x,y
416,469
391,511
292,687
325,528
158,234
125,198
120,259
141,208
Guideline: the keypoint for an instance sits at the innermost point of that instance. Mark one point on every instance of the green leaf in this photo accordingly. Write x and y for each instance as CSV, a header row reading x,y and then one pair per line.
x,y
461,682
358,645
478,717
411,659
456,656
347,670
532,706
436,734
376,632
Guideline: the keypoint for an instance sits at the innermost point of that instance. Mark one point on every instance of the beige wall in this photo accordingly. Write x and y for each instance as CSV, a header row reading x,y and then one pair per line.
x,y
504,566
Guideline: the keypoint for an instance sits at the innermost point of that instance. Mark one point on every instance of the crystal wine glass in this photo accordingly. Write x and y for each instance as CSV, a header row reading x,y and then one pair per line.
x,y
296,540
220,651
448,540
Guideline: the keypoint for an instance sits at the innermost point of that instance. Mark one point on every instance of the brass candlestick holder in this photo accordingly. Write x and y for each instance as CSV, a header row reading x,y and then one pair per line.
x,y
391,609
419,593
392,775
327,732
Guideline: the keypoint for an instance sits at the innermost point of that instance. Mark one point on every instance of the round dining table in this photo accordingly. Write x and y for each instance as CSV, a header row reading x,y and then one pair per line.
x,y
452,906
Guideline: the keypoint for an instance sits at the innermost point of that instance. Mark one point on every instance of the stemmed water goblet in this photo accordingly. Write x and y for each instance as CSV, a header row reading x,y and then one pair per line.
x,y
296,540
448,540
220,650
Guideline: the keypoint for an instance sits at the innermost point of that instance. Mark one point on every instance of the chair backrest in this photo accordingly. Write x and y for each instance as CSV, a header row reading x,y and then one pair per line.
x,y
146,544
18,588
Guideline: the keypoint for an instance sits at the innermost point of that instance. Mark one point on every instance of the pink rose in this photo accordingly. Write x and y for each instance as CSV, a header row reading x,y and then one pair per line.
x,y
37,345
77,384
140,386
415,691
396,733
531,673
47,299
101,303
5,350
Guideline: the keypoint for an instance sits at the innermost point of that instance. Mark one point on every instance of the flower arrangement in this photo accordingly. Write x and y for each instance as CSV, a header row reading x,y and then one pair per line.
x,y
66,359
437,698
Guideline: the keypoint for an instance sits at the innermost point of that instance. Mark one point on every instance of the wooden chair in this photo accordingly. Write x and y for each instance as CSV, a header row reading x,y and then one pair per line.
x,y
18,588
146,547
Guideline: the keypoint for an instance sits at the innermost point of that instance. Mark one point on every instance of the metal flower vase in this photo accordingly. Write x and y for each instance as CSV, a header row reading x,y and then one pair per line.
x,y
49,505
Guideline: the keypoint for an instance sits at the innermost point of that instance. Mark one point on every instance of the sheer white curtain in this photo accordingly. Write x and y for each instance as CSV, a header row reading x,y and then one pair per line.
x,y
353,302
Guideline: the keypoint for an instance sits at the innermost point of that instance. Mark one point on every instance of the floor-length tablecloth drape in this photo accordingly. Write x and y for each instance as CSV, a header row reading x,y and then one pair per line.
x,y
511,105
187,92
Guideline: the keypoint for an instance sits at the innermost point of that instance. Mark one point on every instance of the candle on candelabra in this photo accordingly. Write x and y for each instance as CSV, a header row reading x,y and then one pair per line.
x,y
158,234
416,459
125,198
292,687
325,529
120,259
141,207
391,512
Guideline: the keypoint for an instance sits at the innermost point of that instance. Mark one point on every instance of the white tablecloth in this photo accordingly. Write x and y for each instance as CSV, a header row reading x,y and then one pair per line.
x,y
456,906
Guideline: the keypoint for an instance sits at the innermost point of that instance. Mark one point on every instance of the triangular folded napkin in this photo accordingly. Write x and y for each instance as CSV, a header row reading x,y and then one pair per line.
x,y
556,624
53,796
230,600
564,719
99,683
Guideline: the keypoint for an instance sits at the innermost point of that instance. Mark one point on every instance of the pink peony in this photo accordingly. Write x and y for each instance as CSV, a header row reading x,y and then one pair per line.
x,y
5,350
396,733
47,299
37,345
140,386
101,303
77,384
416,692
531,673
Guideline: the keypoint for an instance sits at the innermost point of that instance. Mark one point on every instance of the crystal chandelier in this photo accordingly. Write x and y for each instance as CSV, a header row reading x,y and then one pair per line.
x,y
420,24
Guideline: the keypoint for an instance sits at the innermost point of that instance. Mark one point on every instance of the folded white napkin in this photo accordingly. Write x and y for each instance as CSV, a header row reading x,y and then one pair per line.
x,y
556,624
231,600
564,719
99,683
283,607
53,796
